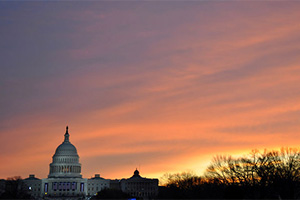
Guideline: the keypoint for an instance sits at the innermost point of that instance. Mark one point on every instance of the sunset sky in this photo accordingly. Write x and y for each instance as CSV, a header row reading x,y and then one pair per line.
x,y
159,86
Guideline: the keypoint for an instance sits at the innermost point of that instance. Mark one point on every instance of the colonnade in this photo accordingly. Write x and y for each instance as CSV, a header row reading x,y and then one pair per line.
x,y
65,160
65,169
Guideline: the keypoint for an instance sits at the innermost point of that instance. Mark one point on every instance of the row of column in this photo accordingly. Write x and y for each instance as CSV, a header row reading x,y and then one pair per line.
x,y
65,169
65,160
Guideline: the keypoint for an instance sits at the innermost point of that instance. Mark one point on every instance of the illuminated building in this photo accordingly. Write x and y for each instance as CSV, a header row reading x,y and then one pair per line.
x,y
97,184
65,180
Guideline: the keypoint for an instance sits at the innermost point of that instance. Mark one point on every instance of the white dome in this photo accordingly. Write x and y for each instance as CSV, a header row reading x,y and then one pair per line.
x,y
66,148
65,161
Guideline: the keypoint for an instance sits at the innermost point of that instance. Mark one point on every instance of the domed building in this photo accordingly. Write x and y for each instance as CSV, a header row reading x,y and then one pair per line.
x,y
65,161
65,179
140,187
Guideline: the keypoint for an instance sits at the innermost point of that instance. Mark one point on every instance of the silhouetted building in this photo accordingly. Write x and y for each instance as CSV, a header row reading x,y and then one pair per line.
x,y
34,186
115,184
137,186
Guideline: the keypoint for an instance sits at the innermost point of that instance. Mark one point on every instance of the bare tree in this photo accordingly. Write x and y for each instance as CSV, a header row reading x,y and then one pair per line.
x,y
274,172
184,180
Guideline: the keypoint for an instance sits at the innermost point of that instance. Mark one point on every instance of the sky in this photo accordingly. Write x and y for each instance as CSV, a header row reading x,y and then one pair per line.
x,y
162,86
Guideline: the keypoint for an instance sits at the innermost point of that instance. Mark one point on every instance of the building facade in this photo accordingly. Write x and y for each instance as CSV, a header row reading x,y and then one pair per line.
x,y
139,187
64,179
34,186
96,184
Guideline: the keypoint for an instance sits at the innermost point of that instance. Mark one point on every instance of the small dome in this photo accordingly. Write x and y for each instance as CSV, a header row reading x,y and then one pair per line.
x,y
136,173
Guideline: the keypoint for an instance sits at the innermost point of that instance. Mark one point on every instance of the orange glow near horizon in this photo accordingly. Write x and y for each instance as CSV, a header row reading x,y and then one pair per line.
x,y
164,93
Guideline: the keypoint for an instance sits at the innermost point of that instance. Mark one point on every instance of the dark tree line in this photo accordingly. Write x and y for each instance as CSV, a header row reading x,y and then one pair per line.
x,y
111,194
266,175
15,188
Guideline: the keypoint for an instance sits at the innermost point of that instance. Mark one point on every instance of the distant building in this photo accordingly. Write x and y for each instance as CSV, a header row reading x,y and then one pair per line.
x,y
97,184
115,184
65,180
34,186
137,186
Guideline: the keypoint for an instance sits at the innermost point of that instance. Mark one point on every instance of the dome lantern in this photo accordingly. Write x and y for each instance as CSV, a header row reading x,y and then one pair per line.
x,y
67,135
136,173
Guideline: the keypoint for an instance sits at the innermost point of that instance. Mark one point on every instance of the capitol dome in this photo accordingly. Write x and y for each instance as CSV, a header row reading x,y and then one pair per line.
x,y
65,161
66,148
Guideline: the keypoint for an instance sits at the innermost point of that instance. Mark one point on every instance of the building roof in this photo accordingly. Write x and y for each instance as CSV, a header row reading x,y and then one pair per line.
x,y
136,176
66,148
31,177
97,177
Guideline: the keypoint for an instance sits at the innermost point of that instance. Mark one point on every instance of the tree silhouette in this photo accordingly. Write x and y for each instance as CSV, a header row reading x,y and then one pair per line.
x,y
15,188
260,175
111,194
184,180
